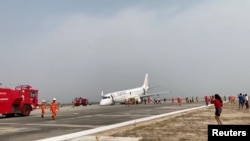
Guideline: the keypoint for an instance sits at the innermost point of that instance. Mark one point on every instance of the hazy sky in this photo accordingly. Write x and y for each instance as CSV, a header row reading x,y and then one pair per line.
x,y
72,48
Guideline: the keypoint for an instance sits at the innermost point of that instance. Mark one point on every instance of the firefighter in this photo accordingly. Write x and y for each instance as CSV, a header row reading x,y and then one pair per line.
x,y
179,100
43,107
53,108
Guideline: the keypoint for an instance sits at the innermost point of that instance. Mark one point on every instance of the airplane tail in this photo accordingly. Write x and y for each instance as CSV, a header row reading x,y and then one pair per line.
x,y
145,84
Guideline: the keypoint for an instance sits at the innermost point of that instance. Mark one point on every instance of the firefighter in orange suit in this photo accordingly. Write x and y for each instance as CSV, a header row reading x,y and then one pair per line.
x,y
43,107
53,108
179,101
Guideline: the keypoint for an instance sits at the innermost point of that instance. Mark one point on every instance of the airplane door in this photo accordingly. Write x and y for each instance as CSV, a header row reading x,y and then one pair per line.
x,y
113,100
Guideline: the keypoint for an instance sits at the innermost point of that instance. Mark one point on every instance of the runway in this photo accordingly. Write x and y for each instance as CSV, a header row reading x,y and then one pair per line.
x,y
77,119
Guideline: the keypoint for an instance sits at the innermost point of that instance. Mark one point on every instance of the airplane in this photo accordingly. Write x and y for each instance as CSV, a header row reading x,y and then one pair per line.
x,y
125,95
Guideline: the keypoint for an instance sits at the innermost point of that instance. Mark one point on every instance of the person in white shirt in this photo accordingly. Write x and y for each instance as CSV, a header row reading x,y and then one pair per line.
x,y
246,101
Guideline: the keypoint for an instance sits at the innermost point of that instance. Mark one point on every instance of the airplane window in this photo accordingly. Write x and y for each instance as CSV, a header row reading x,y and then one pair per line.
x,y
106,97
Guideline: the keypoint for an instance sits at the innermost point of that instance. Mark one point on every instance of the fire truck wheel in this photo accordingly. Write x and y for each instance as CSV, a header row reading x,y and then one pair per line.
x,y
26,110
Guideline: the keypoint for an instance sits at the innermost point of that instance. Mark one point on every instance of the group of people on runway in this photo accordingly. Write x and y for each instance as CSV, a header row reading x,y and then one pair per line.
x,y
53,108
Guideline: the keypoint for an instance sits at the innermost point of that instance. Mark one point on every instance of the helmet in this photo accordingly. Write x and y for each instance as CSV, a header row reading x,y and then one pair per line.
x,y
54,98
43,100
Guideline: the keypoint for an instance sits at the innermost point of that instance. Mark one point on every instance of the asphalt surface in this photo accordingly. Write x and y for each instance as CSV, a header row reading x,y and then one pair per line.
x,y
77,119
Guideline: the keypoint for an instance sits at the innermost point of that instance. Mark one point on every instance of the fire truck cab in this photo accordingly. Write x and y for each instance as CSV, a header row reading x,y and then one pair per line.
x,y
19,101
80,101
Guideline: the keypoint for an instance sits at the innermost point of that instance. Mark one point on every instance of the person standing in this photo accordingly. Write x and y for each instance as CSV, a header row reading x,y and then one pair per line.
x,y
246,101
241,101
53,108
43,107
206,100
179,100
218,104
196,99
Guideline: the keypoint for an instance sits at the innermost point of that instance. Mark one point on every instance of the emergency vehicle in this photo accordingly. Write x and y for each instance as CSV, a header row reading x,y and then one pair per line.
x,y
19,101
81,101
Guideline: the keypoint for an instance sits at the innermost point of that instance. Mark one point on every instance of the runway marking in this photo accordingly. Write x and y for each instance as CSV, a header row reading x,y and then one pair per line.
x,y
119,115
100,115
64,125
6,130
76,117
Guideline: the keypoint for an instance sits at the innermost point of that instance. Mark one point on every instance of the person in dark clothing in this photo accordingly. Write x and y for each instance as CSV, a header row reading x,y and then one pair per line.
x,y
241,101
218,104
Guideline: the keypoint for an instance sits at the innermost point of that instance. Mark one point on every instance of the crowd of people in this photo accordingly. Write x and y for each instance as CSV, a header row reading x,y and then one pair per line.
x,y
243,101
216,100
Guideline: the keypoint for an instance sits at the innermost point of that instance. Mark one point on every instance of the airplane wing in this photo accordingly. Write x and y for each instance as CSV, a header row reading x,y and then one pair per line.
x,y
147,95
153,94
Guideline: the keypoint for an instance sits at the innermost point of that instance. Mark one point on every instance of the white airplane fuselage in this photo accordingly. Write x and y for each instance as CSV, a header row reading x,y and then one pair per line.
x,y
122,96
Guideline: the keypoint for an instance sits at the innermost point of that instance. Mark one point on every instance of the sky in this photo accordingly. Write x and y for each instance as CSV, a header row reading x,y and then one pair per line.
x,y
68,49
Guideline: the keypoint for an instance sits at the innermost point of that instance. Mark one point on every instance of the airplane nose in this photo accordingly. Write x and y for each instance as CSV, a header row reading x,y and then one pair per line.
x,y
105,102
102,102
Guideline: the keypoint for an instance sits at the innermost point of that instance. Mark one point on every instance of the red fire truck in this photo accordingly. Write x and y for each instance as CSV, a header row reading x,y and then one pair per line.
x,y
80,101
19,101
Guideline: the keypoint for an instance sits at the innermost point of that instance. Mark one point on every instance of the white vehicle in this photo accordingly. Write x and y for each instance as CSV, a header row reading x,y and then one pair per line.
x,y
125,95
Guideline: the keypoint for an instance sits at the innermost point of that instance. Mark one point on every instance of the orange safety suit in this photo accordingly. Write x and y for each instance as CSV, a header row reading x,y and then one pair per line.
x,y
53,109
179,100
43,107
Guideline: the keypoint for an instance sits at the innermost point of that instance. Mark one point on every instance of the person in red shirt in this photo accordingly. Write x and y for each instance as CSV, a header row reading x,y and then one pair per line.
x,y
206,100
179,101
218,104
